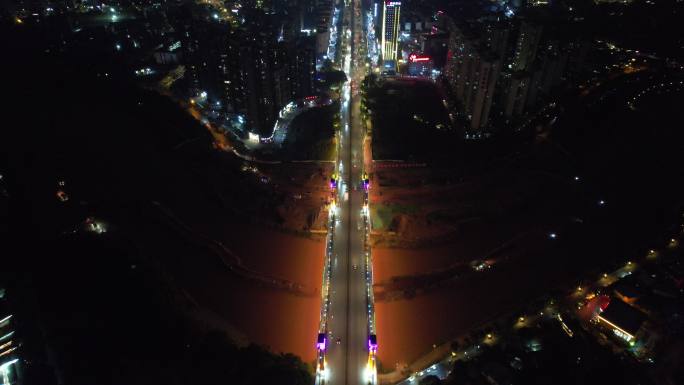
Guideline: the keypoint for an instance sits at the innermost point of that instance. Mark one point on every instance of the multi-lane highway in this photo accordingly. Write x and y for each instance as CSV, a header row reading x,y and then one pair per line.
x,y
347,317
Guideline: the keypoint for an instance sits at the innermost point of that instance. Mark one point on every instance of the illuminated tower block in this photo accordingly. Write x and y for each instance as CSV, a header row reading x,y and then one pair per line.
x,y
390,30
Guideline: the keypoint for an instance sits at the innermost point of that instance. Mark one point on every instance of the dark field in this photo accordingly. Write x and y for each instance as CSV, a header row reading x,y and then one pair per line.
x,y
410,121
156,279
503,206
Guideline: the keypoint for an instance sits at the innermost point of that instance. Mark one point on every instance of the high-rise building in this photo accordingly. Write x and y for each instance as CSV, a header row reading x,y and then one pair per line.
x,y
303,66
548,70
257,67
499,71
536,67
390,30
516,94
481,92
518,80
472,70
203,46
526,46
251,71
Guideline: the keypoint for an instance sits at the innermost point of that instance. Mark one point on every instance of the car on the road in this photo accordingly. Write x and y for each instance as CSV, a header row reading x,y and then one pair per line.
x,y
62,196
93,225
355,266
338,340
479,265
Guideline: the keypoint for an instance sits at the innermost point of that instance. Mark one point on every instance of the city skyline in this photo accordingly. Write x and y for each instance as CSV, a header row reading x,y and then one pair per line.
x,y
342,192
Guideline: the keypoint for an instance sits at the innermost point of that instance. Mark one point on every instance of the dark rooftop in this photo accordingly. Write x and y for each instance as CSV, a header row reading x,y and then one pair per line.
x,y
624,316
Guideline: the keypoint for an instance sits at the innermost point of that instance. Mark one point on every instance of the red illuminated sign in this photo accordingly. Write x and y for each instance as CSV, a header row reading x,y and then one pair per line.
x,y
415,58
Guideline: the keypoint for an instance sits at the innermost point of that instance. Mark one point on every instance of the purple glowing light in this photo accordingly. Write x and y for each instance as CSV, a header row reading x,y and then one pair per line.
x,y
372,343
322,342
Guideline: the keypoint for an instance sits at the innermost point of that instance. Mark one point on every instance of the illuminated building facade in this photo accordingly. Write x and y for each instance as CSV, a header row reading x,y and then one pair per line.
x,y
9,360
419,65
390,30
